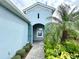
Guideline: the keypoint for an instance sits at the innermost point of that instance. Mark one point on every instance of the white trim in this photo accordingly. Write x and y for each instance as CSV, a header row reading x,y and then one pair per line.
x,y
41,4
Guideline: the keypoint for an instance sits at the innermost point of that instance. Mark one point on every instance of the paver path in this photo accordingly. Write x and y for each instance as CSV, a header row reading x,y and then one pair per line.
x,y
37,51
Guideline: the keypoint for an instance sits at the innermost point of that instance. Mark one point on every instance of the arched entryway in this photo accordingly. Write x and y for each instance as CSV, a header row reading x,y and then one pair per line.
x,y
38,32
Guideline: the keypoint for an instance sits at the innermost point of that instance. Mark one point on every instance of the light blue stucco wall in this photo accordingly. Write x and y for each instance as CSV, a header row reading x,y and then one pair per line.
x,y
13,33
32,15
44,13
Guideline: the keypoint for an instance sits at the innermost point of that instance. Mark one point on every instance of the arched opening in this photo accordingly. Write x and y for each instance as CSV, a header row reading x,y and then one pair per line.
x,y
38,32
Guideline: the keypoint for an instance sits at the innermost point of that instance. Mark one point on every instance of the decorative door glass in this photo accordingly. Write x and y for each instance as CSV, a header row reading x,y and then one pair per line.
x,y
40,32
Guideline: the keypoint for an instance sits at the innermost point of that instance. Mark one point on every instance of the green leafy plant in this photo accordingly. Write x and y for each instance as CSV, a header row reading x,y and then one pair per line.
x,y
27,47
17,57
52,33
21,52
56,50
60,38
71,46
67,16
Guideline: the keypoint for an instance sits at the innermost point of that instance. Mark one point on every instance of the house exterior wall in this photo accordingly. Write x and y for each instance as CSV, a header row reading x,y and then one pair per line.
x,y
13,33
44,13
32,15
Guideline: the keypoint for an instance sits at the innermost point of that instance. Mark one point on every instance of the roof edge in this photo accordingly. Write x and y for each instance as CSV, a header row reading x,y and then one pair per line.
x,y
39,3
11,7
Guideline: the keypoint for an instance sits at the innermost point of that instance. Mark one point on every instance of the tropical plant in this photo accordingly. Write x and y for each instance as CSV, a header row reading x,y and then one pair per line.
x,y
67,15
68,50
52,34
55,33
71,46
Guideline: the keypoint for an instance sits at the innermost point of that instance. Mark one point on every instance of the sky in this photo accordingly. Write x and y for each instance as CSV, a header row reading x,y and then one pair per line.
x,y
21,4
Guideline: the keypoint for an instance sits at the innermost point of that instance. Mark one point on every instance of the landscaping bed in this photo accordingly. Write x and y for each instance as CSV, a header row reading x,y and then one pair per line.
x,y
67,50
54,48
22,53
61,39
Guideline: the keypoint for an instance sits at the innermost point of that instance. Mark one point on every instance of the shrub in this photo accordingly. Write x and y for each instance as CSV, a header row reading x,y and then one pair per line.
x,y
68,50
54,49
54,52
29,44
75,56
71,46
65,55
21,52
72,34
50,57
16,57
49,52
52,37
27,47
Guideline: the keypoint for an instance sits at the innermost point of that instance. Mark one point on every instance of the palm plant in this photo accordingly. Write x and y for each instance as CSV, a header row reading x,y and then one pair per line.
x,y
67,16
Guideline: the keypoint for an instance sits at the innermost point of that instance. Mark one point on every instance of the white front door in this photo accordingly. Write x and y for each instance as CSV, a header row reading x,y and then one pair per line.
x,y
39,34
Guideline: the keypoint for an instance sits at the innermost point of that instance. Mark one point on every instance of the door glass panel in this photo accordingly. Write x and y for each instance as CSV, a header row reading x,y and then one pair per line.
x,y
40,32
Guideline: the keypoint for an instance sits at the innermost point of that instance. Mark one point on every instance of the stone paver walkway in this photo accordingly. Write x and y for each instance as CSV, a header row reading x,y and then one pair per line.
x,y
37,51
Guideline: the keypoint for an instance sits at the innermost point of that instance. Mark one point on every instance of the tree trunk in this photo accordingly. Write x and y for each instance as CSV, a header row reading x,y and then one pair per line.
x,y
64,35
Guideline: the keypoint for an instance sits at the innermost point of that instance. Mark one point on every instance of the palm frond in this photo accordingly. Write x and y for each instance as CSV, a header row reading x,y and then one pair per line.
x,y
56,19
74,16
73,10
75,13
63,11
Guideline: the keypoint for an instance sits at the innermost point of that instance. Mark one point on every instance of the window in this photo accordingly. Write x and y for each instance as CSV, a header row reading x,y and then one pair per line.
x,y
38,16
